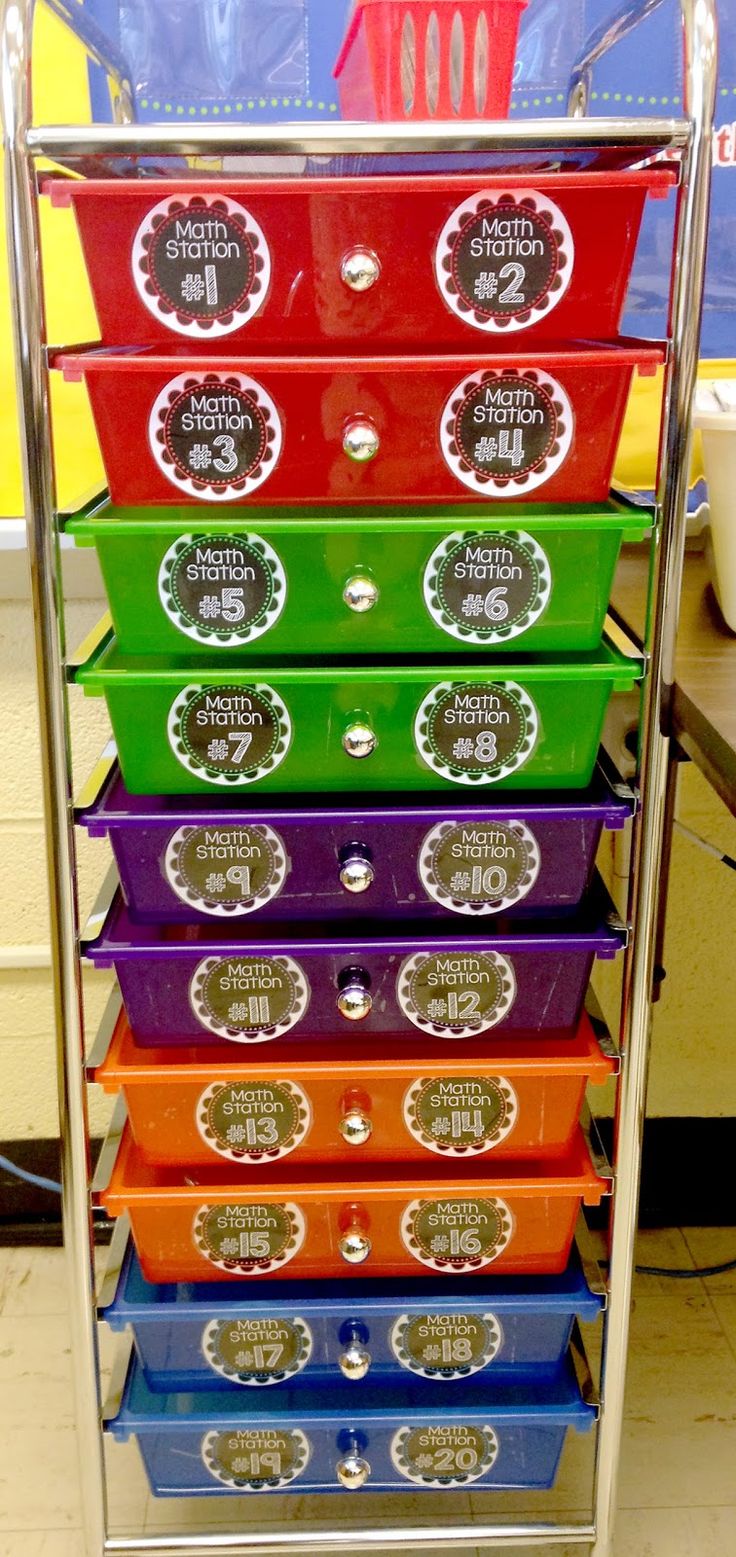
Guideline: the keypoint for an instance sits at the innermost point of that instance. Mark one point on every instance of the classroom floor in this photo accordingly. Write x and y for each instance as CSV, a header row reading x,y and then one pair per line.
x,y
678,1483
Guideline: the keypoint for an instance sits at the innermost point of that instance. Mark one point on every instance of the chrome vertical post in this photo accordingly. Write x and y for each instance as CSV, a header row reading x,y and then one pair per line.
x,y
701,57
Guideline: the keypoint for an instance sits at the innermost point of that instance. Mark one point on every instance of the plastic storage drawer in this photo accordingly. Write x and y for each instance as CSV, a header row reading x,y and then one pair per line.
x,y
199,985
389,726
191,861
208,1337
409,1102
524,579
360,429
360,262
404,1436
250,1222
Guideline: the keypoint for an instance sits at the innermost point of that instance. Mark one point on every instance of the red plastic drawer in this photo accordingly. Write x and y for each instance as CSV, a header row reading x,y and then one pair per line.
x,y
347,430
444,263
411,1103
252,1222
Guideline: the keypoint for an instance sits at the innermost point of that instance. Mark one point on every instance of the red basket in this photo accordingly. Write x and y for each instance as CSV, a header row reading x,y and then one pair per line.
x,y
429,59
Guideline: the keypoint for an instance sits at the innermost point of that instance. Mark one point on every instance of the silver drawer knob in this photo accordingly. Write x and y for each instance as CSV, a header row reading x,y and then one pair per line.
x,y
353,1472
355,1246
360,269
360,441
355,1127
354,1002
360,594
356,871
359,740
355,1361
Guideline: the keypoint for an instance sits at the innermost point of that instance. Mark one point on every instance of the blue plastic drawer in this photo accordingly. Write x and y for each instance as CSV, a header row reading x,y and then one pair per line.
x,y
326,1439
217,1337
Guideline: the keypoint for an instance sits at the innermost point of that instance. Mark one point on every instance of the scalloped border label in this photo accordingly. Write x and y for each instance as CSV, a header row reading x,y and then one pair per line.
x,y
217,405
462,1232
252,1446
228,850
229,237
444,1352
506,402
263,1120
498,702
258,1361
452,1454
249,978
509,232
225,603
464,1019
494,562
248,1239
251,704
479,884
457,1127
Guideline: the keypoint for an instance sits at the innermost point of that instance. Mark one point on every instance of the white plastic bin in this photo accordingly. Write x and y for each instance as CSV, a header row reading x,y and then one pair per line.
x,y
715,416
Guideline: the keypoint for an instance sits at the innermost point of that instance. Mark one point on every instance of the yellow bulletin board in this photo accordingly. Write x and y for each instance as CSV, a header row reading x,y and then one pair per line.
x,y
61,96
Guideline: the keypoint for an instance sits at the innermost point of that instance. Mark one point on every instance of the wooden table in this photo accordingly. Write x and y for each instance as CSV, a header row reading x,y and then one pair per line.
x,y
704,699
704,708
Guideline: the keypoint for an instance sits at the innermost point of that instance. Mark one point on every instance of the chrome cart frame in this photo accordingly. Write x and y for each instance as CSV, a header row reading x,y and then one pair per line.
x,y
690,137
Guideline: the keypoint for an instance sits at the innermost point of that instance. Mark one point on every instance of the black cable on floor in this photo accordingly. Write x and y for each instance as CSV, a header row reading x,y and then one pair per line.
x,y
686,1275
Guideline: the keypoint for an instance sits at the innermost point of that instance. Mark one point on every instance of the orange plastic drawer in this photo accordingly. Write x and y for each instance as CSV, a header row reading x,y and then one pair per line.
x,y
218,1225
411,1102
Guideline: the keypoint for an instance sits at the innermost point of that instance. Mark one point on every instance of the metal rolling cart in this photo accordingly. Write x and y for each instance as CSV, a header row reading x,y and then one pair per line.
x,y
95,148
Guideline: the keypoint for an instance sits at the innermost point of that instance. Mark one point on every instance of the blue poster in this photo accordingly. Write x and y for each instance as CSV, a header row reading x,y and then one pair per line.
x,y
272,59
644,75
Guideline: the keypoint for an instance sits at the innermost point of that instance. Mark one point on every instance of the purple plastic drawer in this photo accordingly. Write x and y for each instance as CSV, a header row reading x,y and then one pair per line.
x,y
186,861
186,985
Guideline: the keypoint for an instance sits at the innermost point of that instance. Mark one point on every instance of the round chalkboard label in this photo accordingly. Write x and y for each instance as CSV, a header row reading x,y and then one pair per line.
x,y
457,1233
229,735
460,1116
449,1455
248,999
222,590
201,265
446,1345
504,260
487,588
476,732
248,1240
216,436
256,1459
257,1351
253,1121
225,871
506,431
456,994
479,867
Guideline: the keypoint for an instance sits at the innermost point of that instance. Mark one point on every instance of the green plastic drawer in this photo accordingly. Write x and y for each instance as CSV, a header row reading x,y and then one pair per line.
x,y
292,726
381,582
